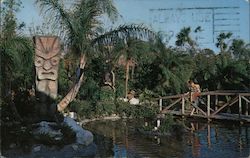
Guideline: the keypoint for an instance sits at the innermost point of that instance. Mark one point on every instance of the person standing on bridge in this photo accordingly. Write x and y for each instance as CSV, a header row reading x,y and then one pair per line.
x,y
195,92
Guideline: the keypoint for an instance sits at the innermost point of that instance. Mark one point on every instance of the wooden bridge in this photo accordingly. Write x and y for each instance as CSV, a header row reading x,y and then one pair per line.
x,y
222,105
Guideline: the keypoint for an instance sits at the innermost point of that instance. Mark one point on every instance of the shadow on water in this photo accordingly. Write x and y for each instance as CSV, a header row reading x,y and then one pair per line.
x,y
202,140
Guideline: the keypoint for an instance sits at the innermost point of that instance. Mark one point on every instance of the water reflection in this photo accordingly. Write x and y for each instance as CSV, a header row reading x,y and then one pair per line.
x,y
121,139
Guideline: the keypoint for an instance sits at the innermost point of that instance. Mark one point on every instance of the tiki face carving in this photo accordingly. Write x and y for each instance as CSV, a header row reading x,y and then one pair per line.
x,y
47,68
47,59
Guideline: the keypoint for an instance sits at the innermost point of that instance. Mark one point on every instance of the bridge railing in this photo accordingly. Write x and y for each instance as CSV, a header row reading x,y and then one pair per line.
x,y
180,104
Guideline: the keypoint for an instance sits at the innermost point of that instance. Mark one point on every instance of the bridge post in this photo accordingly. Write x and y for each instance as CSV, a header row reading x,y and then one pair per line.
x,y
160,104
182,105
216,102
240,108
247,104
208,106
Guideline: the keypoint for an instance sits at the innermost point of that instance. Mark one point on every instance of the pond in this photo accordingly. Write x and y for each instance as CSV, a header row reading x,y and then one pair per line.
x,y
121,139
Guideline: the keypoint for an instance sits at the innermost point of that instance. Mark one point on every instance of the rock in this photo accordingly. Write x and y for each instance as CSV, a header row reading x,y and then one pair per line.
x,y
134,101
82,147
83,137
45,128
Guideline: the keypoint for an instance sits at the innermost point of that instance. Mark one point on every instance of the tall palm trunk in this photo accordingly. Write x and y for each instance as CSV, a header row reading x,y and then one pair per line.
x,y
113,79
126,80
132,72
73,92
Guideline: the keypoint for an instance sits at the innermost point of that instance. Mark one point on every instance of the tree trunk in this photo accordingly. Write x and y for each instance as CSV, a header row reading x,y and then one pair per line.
x,y
126,81
113,79
73,92
133,72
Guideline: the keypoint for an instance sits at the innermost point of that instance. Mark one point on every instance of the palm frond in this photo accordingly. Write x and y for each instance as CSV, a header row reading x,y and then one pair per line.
x,y
124,32
79,23
17,50
108,8
57,13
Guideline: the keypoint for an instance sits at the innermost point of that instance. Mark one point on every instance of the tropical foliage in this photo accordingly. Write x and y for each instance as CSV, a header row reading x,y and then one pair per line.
x,y
16,51
16,54
134,56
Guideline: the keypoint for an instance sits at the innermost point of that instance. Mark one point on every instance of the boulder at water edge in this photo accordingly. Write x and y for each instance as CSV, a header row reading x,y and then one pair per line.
x,y
83,137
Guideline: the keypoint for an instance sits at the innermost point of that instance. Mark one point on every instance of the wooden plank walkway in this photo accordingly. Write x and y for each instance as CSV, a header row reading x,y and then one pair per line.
x,y
212,105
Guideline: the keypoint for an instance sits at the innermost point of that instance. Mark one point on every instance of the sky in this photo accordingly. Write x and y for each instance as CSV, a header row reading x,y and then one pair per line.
x,y
169,16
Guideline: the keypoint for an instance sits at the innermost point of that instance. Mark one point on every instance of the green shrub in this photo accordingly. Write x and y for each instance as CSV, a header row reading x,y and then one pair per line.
x,y
105,108
90,90
149,111
124,108
84,109
136,111
64,81
107,94
150,127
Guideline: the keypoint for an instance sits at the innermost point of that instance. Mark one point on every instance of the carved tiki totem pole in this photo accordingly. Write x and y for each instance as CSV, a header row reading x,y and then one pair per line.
x,y
47,57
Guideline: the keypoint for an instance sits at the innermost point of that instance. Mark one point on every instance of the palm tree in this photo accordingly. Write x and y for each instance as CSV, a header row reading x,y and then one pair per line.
x,y
231,74
184,39
15,56
222,41
128,55
81,27
240,49
16,50
205,68
175,69
232,64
